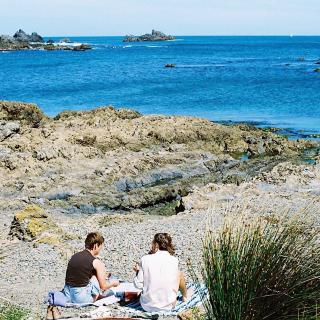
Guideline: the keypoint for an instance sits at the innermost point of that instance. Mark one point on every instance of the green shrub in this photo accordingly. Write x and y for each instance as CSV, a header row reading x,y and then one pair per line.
x,y
27,113
263,269
12,312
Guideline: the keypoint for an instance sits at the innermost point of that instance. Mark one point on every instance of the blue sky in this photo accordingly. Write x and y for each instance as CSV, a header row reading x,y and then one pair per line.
x,y
180,17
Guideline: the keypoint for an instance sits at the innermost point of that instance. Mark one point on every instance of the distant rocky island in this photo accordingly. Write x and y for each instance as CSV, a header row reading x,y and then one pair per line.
x,y
23,41
153,36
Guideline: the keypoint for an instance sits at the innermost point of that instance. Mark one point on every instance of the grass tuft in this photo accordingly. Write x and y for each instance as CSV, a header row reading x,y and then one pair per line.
x,y
12,312
265,268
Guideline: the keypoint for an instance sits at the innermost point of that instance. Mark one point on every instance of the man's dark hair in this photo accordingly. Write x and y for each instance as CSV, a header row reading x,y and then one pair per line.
x,y
92,239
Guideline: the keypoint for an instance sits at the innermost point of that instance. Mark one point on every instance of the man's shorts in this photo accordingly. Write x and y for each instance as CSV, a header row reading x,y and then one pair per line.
x,y
83,294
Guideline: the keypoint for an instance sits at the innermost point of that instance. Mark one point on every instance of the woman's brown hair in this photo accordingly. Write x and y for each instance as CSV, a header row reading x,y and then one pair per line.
x,y
164,242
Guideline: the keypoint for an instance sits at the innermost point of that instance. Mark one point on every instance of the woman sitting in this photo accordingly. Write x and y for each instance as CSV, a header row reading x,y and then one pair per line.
x,y
159,277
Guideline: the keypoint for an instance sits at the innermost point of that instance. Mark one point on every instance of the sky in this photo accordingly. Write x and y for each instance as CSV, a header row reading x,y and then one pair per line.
x,y
177,17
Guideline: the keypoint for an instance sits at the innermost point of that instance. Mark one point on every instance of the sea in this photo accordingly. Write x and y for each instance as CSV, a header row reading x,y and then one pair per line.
x,y
265,81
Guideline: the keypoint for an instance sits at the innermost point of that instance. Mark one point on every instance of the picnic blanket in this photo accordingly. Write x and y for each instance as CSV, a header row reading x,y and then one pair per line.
x,y
134,309
199,293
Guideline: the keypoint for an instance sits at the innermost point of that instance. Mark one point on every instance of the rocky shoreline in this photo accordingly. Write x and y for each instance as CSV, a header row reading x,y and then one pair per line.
x,y
128,175
111,160
153,36
23,41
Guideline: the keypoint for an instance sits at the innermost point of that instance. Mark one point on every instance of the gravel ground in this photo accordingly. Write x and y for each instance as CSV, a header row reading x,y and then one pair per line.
x,y
28,272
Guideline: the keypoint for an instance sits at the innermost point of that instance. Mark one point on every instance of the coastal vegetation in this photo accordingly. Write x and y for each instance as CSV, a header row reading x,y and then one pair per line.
x,y
263,267
12,312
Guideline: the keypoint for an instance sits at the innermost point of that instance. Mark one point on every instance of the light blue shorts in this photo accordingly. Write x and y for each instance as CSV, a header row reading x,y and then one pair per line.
x,y
82,294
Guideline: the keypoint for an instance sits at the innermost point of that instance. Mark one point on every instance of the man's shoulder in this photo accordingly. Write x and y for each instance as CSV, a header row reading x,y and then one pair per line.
x,y
79,253
82,255
97,263
75,255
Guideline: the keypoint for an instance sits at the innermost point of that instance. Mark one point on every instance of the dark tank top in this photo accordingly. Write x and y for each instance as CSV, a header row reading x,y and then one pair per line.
x,y
80,269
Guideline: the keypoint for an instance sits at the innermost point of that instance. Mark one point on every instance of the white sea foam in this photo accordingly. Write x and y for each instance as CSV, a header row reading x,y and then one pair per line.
x,y
68,44
201,65
143,46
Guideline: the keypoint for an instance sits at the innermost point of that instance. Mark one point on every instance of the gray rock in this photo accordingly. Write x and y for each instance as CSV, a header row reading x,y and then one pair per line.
x,y
8,159
11,162
19,185
148,179
153,36
88,208
63,195
7,129
4,39
23,41
8,43
45,132
65,40
40,201
60,196
46,154
4,152
34,37
81,47
21,36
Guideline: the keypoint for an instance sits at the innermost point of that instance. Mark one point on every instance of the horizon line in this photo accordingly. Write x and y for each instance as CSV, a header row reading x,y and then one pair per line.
x,y
197,35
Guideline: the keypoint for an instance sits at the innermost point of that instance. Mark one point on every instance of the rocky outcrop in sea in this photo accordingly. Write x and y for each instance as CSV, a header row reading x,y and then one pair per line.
x,y
23,41
153,36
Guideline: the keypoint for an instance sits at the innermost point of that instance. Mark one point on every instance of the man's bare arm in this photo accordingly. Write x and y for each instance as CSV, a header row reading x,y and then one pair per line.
x,y
101,275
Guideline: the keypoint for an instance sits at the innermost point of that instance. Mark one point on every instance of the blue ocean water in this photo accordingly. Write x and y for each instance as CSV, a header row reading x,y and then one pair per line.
x,y
254,79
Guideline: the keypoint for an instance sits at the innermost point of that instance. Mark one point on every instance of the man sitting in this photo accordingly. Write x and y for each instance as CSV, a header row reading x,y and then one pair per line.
x,y
86,275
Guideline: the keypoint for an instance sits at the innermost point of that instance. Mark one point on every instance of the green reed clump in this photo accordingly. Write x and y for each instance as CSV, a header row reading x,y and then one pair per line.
x,y
263,269
12,312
